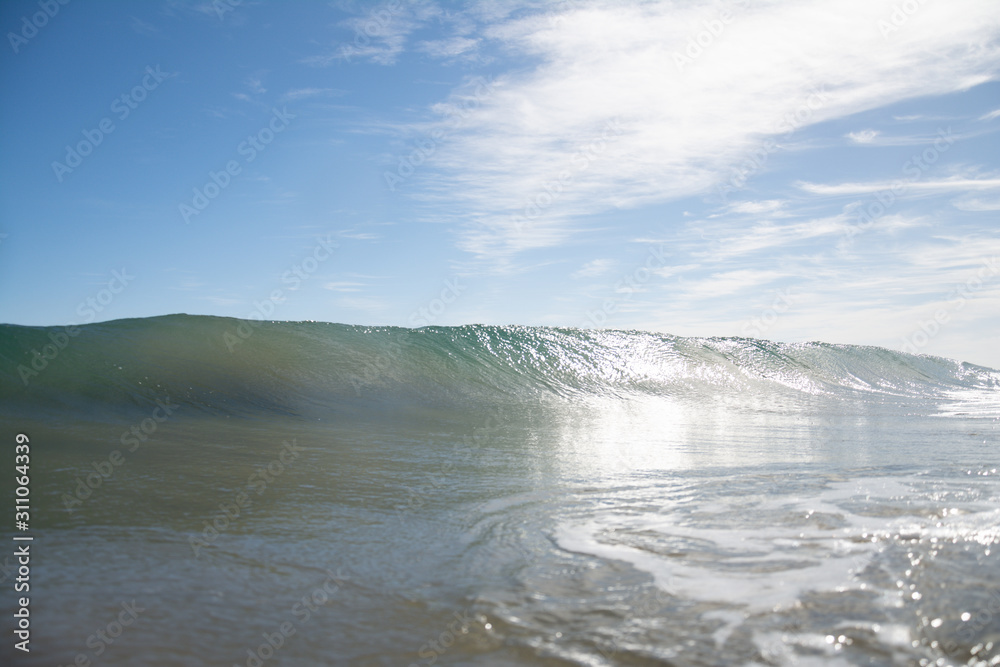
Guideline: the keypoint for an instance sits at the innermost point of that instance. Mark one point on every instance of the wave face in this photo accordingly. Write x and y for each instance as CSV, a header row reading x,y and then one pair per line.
x,y
247,368
509,495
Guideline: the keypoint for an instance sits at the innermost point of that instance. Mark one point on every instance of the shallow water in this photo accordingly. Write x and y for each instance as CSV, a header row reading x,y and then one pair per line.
x,y
745,515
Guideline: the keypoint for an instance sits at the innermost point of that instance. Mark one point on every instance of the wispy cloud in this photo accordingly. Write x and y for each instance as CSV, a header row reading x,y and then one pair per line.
x,y
770,207
189,284
977,204
682,127
222,300
142,27
254,89
344,286
733,282
299,94
449,48
380,35
877,138
876,291
863,136
359,236
366,304
594,268
726,240
255,85
954,184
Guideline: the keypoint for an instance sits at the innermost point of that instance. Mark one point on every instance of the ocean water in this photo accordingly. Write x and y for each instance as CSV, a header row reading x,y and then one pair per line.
x,y
208,491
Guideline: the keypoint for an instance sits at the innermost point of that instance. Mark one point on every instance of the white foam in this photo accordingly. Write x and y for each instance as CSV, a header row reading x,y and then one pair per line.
x,y
766,568
759,591
976,403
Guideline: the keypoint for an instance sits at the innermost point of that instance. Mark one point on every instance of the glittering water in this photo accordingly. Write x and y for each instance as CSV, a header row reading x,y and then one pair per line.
x,y
501,496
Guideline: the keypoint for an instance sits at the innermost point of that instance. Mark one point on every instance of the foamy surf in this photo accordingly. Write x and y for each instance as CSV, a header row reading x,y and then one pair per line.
x,y
504,495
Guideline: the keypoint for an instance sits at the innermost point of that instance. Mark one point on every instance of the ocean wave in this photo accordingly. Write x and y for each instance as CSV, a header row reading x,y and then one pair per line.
x,y
246,368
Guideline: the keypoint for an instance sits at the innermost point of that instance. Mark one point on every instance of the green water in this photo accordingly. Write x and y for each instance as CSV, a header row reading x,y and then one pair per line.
x,y
493,496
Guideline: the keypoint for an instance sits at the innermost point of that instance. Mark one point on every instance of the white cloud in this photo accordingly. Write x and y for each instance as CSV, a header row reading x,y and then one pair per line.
x,y
366,304
876,138
876,292
991,115
343,286
448,48
359,236
671,271
682,123
732,282
768,206
734,240
380,35
298,94
143,28
977,204
863,137
597,267
954,184
255,85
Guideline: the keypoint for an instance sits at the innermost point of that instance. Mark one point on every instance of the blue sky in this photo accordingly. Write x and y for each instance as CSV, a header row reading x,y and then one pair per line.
x,y
816,170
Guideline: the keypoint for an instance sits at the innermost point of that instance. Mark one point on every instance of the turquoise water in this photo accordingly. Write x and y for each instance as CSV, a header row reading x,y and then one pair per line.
x,y
319,494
